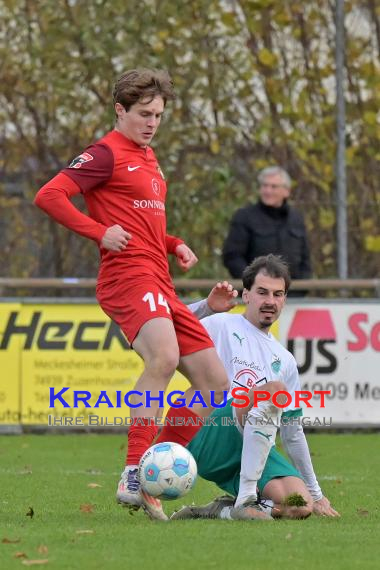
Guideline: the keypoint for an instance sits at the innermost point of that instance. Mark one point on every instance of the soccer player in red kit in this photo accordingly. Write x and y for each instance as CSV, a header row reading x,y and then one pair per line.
x,y
124,190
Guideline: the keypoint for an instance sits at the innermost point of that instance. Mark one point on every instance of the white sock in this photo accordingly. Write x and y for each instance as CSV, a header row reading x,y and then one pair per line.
x,y
128,468
258,438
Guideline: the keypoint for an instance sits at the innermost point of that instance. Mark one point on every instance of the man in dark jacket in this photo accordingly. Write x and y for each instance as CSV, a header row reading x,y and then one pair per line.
x,y
269,226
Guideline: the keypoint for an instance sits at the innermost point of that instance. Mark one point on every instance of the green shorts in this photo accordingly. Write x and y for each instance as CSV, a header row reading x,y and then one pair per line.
x,y
217,450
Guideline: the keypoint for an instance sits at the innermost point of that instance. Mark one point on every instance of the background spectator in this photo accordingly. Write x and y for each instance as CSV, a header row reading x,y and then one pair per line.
x,y
269,226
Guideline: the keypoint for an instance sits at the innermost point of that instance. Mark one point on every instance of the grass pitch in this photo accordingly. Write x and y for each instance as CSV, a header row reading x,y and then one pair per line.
x,y
67,482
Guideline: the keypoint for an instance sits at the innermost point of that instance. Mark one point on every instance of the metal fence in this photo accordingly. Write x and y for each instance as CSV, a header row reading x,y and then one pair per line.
x,y
341,285
11,286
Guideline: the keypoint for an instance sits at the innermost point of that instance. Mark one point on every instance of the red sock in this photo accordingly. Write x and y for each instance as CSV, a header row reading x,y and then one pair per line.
x,y
140,436
180,433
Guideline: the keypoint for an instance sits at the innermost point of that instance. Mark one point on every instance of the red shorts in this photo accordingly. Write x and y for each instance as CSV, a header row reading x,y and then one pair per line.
x,y
131,303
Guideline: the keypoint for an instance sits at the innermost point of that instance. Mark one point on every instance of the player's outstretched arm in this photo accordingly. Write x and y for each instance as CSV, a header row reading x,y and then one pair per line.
x,y
295,445
222,297
323,508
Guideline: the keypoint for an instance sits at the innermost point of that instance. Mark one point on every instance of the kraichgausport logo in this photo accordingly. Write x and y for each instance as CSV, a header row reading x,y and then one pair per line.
x,y
240,396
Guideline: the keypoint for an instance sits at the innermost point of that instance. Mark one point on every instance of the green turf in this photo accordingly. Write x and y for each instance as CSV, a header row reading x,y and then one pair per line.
x,y
51,474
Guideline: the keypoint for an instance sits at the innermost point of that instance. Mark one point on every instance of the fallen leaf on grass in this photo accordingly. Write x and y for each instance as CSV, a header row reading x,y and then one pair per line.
x,y
84,531
10,540
87,508
94,471
30,512
20,555
35,562
42,549
94,485
362,512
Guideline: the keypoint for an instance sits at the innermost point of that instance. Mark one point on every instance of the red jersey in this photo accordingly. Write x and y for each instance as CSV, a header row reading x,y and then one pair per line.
x,y
122,183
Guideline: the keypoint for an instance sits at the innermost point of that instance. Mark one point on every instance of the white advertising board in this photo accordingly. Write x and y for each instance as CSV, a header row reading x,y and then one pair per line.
x,y
337,348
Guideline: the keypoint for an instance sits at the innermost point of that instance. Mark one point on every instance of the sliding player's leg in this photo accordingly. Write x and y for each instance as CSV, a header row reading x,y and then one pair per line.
x,y
282,494
259,435
217,450
288,493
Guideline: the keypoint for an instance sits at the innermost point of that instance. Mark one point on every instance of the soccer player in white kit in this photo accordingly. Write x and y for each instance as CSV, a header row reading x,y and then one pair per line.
x,y
241,458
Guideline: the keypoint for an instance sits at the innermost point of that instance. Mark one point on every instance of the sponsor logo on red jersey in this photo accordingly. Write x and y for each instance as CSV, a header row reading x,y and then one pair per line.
x,y
81,159
156,186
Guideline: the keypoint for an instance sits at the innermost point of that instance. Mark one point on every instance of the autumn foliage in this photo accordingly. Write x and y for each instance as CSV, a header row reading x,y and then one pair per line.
x,y
255,86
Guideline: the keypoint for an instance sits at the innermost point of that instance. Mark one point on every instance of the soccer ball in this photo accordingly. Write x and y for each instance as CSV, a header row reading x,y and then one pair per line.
x,y
167,471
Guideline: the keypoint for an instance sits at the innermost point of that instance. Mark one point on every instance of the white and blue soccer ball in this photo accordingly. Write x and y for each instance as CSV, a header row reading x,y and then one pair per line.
x,y
167,471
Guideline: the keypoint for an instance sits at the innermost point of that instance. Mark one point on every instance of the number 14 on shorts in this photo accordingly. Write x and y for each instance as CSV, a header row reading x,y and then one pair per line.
x,y
149,298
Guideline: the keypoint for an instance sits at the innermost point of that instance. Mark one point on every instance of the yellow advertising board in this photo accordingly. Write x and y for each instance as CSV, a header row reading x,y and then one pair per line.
x,y
50,347
75,347
10,367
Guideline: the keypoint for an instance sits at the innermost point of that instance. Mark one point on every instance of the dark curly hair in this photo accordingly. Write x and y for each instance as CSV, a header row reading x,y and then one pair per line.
x,y
271,265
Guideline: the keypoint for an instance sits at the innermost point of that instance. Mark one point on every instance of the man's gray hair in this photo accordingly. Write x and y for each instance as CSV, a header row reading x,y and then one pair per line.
x,y
270,171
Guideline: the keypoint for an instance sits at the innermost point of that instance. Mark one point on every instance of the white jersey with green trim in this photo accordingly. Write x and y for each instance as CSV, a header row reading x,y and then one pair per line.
x,y
250,356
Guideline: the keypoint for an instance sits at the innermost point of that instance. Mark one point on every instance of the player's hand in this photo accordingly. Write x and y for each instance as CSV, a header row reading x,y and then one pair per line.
x,y
115,238
186,259
222,297
322,508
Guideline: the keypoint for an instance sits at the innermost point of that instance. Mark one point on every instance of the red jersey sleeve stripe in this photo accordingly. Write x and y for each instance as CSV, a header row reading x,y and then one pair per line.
x,y
54,199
